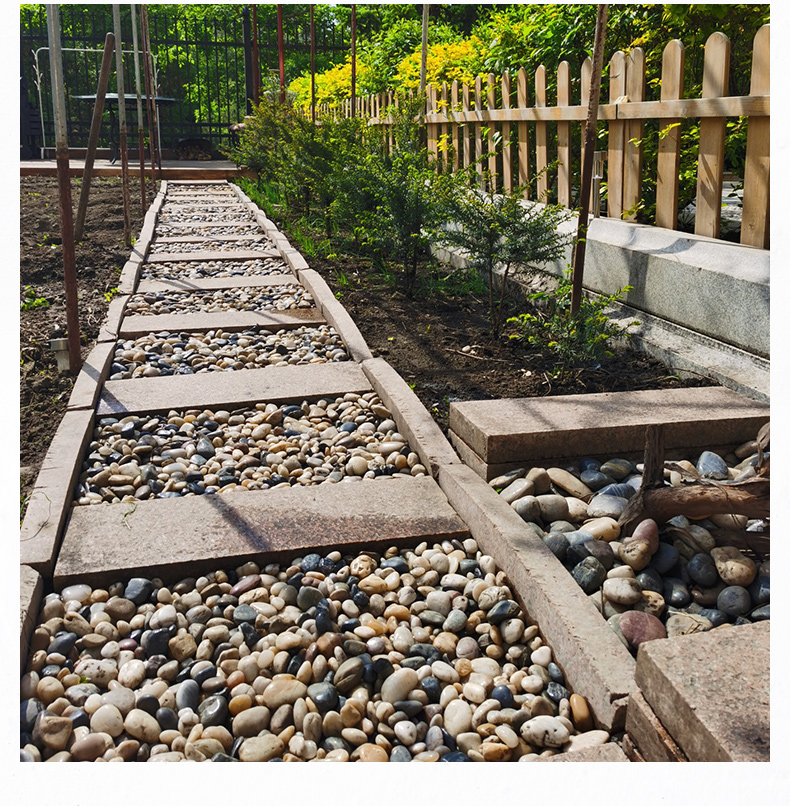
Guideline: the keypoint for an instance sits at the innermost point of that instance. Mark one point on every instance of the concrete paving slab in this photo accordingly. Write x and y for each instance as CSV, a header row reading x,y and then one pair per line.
x,y
511,430
335,314
269,384
94,372
138,325
606,752
712,691
595,663
215,283
647,732
53,492
127,282
413,419
206,532
217,254
31,591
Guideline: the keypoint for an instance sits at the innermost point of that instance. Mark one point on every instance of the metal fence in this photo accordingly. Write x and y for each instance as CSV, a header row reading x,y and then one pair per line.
x,y
200,63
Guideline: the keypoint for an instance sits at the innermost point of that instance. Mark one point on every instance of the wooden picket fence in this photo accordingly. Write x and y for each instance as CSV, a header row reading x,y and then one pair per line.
x,y
485,119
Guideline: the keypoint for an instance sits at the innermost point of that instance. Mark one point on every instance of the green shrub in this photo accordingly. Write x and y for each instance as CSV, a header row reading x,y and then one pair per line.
x,y
31,301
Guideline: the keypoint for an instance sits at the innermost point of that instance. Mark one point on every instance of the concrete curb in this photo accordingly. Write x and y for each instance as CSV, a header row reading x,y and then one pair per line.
x,y
270,385
129,276
413,419
50,501
595,663
93,374
31,592
647,732
115,316
109,542
334,313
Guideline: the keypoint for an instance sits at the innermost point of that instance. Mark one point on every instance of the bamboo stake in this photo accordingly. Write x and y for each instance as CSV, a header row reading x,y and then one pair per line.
x,y
589,149
140,138
153,115
93,137
127,222
424,48
353,60
64,189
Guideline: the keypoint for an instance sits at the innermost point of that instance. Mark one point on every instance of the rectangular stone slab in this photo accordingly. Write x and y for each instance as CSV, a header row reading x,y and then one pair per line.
x,y
647,732
216,283
137,325
267,384
578,425
179,537
712,691
236,254
605,753
94,371
31,590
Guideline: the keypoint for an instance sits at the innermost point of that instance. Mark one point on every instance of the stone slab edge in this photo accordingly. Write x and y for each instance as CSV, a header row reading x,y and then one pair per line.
x,y
115,316
31,592
412,418
205,532
130,273
587,424
595,663
215,283
647,732
93,374
143,242
606,752
138,325
53,492
333,311
245,387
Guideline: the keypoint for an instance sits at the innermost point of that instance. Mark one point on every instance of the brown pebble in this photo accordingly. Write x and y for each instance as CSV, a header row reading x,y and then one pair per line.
x,y
580,712
370,752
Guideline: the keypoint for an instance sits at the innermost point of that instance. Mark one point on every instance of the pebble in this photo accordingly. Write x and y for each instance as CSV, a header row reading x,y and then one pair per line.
x,y
248,298
200,269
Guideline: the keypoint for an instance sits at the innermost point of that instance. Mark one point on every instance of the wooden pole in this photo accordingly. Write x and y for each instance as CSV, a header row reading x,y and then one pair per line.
x,y
353,61
140,138
312,63
281,51
590,130
64,189
424,52
256,63
153,120
127,222
149,102
93,137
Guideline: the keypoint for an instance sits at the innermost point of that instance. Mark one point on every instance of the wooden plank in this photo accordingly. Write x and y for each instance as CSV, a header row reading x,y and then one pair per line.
x,y
634,130
541,138
614,171
507,133
491,146
586,80
755,230
710,165
432,127
465,130
454,126
479,129
522,100
444,131
564,137
672,69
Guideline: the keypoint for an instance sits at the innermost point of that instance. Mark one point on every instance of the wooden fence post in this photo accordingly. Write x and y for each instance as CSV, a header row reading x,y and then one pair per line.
x,y
541,138
491,104
564,137
672,69
634,129
507,159
454,125
756,185
586,78
614,171
710,166
466,127
522,102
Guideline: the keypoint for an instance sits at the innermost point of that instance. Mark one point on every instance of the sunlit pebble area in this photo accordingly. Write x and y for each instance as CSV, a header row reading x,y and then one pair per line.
x,y
196,269
194,230
414,655
202,452
666,580
188,353
256,244
185,213
250,298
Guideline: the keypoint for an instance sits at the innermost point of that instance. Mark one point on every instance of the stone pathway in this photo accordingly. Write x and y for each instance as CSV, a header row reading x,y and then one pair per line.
x,y
232,430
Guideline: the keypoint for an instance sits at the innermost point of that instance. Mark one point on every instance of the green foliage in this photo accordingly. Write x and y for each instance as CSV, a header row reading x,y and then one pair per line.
x,y
501,230
30,300
581,339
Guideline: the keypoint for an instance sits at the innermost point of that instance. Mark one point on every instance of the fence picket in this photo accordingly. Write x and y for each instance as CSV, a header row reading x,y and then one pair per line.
x,y
564,137
454,125
491,103
586,81
507,159
432,127
710,166
756,184
541,138
522,101
478,130
444,128
614,172
672,69
465,128
634,130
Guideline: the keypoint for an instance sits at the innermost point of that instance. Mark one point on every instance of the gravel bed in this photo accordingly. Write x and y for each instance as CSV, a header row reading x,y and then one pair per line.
x,y
669,579
219,188
188,353
201,452
258,244
416,655
197,269
249,298
202,214
193,230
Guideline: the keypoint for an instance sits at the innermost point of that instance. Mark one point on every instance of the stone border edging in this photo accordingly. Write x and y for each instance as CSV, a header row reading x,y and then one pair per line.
x,y
594,661
94,372
647,733
31,593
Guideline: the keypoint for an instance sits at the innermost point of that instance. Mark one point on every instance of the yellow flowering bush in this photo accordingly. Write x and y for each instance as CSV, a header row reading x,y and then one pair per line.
x,y
331,87
446,62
